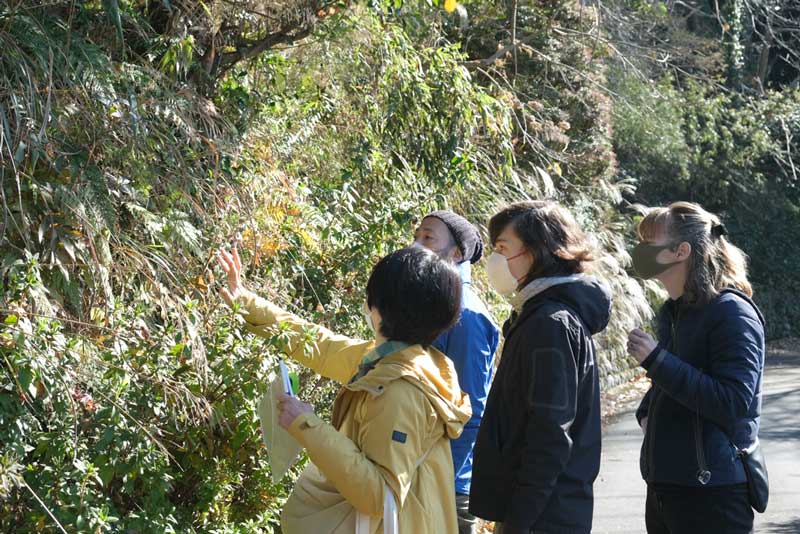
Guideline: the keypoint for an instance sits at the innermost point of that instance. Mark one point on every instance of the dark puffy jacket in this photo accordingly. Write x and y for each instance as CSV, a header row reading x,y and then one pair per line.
x,y
538,447
706,395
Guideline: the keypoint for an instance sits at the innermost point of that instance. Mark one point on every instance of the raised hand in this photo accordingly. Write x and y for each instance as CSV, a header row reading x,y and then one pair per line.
x,y
640,344
232,266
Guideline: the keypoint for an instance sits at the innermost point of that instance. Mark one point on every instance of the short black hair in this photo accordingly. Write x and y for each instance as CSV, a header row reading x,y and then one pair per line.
x,y
417,293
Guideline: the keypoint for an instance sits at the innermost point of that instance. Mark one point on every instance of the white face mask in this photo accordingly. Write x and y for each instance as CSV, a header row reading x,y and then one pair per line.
x,y
499,274
368,317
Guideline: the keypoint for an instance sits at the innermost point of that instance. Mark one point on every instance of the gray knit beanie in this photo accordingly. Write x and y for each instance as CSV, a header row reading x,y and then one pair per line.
x,y
464,233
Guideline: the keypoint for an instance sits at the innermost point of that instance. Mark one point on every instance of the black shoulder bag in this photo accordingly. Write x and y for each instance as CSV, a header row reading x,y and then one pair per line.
x,y
755,467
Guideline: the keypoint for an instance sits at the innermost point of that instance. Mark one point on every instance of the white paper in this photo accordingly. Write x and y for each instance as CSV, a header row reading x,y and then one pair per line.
x,y
282,448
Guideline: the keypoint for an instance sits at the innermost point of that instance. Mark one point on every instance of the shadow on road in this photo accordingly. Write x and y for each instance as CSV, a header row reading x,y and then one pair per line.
x,y
781,407
790,527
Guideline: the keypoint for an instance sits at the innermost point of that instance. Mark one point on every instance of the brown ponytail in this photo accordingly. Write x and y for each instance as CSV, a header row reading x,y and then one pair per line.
x,y
715,263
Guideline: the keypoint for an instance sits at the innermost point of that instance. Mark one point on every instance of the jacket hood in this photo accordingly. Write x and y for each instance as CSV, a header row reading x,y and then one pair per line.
x,y
433,373
588,296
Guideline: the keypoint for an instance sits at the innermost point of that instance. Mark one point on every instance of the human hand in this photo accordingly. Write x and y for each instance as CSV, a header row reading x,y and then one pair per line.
x,y
640,344
290,408
232,266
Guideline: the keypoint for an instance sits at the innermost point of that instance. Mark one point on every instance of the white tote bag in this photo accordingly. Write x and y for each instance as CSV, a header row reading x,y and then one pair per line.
x,y
389,516
390,522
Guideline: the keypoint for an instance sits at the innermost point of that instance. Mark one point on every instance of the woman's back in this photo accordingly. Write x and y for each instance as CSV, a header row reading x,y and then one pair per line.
x,y
401,415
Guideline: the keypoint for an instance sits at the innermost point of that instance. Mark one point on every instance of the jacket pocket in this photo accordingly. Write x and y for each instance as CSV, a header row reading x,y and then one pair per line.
x,y
721,453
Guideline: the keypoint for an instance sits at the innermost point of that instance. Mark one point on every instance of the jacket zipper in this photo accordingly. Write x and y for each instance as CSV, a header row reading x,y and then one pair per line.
x,y
703,474
651,412
651,419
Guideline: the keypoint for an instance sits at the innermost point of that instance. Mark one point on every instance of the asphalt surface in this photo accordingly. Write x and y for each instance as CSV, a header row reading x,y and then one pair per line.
x,y
620,491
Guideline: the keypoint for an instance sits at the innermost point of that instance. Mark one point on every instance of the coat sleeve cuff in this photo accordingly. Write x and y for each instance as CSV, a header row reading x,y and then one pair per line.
x,y
303,422
246,302
654,359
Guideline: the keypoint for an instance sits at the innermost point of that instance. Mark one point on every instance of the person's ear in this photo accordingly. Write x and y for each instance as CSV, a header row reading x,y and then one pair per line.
x,y
376,318
530,259
458,257
683,251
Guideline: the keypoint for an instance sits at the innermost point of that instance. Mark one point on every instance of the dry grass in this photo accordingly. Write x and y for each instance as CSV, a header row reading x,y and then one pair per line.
x,y
485,527
623,397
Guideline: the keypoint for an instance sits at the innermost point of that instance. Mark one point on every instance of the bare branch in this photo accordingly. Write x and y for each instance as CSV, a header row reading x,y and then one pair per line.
x,y
258,47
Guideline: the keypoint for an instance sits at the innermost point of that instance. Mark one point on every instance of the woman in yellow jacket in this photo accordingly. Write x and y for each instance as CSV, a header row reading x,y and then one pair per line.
x,y
398,407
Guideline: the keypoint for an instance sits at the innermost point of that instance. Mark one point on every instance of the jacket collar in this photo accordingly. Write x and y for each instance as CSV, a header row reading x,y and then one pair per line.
x,y
540,285
517,317
465,270
430,371
371,359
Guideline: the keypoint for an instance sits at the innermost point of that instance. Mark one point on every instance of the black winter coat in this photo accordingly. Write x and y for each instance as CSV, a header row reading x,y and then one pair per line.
x,y
538,448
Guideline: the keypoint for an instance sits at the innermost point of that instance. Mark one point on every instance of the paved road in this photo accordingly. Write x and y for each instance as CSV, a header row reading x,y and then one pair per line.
x,y
620,491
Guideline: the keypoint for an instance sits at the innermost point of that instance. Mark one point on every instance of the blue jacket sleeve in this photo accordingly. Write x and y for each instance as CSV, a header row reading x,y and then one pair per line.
x,y
551,409
471,345
724,390
442,341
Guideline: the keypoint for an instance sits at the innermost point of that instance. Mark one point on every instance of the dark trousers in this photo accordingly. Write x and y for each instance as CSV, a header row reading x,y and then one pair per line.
x,y
706,510
500,529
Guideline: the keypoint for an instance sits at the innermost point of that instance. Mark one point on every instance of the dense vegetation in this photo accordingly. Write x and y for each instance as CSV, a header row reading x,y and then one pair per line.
x,y
708,110
137,136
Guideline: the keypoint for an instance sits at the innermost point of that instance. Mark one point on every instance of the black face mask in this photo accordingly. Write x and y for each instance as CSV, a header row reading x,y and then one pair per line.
x,y
644,260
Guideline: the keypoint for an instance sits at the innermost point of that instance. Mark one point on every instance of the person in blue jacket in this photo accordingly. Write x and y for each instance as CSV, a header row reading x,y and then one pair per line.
x,y
706,370
470,344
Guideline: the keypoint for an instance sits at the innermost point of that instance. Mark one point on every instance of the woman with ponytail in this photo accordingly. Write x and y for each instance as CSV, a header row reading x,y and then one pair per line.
x,y
706,368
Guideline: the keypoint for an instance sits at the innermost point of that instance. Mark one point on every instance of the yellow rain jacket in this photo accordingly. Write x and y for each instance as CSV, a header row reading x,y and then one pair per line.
x,y
390,428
